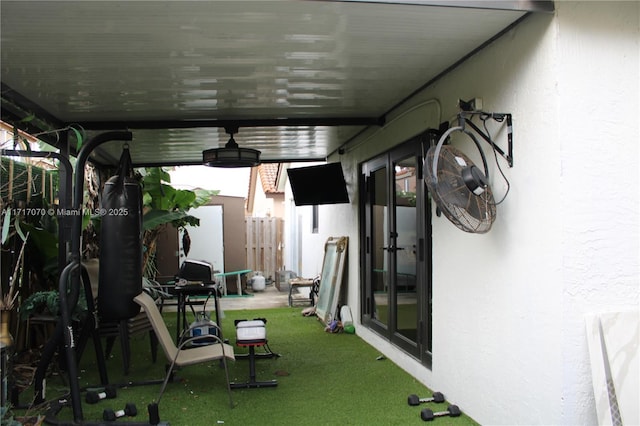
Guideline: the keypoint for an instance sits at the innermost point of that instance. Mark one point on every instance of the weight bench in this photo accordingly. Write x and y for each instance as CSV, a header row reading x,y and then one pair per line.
x,y
253,334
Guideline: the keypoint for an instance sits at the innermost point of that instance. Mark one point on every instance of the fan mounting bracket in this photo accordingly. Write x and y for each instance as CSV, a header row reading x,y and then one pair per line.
x,y
464,118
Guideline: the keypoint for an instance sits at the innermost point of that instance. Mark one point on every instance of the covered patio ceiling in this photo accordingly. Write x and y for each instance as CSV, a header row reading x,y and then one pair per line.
x,y
299,79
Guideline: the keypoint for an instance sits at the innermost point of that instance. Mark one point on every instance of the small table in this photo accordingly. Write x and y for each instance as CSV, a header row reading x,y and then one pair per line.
x,y
183,292
238,274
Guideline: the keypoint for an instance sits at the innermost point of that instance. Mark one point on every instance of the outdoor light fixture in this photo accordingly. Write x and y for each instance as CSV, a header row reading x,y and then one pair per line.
x,y
231,155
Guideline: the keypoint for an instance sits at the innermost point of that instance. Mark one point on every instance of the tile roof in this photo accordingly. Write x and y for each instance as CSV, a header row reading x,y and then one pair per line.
x,y
268,177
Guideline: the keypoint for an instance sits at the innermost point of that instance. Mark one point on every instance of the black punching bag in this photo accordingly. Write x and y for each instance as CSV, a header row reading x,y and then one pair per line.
x,y
120,244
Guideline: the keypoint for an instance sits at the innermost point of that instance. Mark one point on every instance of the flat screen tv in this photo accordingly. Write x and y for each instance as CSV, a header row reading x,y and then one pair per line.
x,y
316,185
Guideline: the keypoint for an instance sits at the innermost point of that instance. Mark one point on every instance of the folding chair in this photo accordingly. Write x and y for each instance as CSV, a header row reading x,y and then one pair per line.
x,y
179,355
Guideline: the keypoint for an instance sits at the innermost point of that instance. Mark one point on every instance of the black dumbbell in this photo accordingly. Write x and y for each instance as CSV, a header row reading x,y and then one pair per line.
x,y
154,413
416,400
93,397
129,410
428,415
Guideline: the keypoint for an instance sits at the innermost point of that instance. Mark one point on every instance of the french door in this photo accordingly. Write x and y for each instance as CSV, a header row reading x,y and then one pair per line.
x,y
396,241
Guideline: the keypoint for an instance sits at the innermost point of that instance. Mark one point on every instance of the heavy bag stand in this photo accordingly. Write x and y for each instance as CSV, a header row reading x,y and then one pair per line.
x,y
89,327
69,280
69,277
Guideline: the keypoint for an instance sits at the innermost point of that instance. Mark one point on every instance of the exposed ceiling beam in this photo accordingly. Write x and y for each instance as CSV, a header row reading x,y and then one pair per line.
x,y
522,5
199,163
265,122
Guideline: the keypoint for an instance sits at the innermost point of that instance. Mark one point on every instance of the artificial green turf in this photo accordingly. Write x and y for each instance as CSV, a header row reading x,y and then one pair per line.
x,y
332,379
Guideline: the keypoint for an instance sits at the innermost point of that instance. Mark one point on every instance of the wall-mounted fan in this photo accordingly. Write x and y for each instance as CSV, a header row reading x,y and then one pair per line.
x,y
458,187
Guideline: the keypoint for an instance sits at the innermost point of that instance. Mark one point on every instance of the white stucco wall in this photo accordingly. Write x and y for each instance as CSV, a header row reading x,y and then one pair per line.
x,y
599,178
509,344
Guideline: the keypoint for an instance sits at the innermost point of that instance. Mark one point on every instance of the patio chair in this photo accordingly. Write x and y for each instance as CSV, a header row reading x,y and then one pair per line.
x,y
181,356
122,329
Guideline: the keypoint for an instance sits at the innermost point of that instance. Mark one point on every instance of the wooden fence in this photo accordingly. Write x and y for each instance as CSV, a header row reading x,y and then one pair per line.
x,y
23,182
264,245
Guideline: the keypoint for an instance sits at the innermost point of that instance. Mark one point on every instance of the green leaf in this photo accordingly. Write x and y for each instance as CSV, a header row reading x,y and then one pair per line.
x,y
46,242
189,220
203,196
6,224
49,302
166,200
183,199
16,223
159,217
146,199
27,145
78,137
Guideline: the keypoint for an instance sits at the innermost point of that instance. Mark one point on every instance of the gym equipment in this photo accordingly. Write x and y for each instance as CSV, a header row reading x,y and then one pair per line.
x,y
120,244
93,397
154,413
252,334
69,282
203,326
74,278
57,405
428,415
416,400
129,410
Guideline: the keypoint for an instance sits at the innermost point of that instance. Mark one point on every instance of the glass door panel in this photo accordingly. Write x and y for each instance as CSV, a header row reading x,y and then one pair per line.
x,y
380,240
396,248
405,249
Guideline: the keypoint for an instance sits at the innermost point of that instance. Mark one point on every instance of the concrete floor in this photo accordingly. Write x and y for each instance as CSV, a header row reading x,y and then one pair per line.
x,y
268,298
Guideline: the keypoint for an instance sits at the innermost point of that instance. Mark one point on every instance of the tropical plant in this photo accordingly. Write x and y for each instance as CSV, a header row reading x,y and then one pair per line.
x,y
6,417
8,299
48,302
28,190
164,205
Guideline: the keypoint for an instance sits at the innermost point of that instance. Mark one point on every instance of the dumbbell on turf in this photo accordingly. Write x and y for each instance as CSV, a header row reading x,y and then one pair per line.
x,y
416,400
93,397
428,415
129,410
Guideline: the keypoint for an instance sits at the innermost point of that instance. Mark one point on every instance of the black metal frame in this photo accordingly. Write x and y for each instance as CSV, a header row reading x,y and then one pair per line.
x,y
69,276
73,276
464,118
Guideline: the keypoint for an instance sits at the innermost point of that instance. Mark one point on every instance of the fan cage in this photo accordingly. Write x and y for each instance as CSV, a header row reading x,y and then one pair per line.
x,y
466,210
